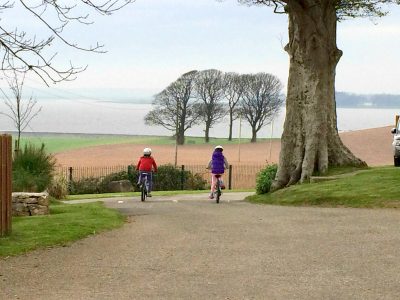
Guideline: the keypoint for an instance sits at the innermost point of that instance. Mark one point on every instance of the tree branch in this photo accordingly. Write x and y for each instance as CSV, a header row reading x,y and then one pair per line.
x,y
28,53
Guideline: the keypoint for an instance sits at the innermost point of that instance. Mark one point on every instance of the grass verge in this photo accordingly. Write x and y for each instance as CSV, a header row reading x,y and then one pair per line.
x,y
343,170
66,223
375,187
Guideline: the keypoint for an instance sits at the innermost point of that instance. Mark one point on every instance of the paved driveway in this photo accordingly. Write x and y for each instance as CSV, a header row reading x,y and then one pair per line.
x,y
187,247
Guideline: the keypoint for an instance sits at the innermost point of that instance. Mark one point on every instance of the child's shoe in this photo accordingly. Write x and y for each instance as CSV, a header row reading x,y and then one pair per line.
x,y
211,196
149,195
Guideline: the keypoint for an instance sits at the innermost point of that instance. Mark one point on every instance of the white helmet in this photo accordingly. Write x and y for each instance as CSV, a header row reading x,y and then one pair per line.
x,y
219,147
147,151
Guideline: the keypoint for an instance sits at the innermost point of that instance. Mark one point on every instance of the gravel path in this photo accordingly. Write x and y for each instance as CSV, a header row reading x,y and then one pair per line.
x,y
186,247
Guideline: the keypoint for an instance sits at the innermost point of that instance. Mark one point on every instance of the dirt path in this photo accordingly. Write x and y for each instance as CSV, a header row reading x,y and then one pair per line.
x,y
189,248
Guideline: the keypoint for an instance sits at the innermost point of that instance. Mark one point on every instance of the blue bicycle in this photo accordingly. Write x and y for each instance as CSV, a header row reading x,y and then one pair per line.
x,y
218,188
144,185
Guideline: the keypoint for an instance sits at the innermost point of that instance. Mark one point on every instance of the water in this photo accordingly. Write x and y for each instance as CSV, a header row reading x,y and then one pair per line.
x,y
89,116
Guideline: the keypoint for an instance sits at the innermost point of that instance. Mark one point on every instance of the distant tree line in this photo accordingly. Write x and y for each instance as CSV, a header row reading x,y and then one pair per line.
x,y
208,96
368,100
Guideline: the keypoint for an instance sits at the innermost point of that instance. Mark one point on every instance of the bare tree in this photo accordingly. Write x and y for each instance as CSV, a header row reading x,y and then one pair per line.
x,y
21,112
23,51
209,87
261,100
233,90
175,107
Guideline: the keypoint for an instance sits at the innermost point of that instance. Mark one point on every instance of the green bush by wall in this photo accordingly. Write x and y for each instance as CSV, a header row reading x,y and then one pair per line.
x,y
265,179
32,169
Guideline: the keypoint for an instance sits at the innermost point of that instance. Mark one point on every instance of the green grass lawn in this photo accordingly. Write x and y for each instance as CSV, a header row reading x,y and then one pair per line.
x,y
375,187
57,143
65,224
61,142
333,171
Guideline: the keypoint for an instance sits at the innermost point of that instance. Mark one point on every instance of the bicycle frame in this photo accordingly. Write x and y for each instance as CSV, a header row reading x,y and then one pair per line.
x,y
217,191
144,185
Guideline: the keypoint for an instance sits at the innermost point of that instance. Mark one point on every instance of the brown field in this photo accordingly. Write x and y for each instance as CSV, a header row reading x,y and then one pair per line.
x,y
371,145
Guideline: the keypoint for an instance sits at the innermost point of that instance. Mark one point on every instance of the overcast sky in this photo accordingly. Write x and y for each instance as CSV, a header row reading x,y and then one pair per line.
x,y
152,42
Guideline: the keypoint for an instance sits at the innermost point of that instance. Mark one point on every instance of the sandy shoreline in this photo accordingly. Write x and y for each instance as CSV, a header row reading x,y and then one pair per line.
x,y
371,145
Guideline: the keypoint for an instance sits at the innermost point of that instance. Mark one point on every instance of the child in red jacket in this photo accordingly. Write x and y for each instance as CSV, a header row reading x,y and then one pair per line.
x,y
145,166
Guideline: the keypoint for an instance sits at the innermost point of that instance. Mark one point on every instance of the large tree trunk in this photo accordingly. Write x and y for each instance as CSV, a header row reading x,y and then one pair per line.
x,y
310,140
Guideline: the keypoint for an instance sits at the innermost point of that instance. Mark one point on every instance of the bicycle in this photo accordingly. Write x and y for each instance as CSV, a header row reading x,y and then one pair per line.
x,y
217,192
144,186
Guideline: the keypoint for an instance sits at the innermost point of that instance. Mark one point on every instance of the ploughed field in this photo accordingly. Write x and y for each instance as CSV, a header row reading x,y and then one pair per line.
x,y
371,145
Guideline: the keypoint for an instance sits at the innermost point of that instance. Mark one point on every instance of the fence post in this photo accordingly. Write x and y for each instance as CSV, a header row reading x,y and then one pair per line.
x,y
70,178
230,178
182,176
5,184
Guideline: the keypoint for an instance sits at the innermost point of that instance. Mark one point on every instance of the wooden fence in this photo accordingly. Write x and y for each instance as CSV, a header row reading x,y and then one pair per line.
x,y
5,184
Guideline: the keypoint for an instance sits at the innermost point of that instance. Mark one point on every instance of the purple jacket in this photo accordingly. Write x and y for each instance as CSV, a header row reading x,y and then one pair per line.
x,y
218,163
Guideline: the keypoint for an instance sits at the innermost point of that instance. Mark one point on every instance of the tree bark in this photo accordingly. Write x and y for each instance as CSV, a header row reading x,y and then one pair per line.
x,y
230,126
181,128
310,140
180,138
207,133
253,136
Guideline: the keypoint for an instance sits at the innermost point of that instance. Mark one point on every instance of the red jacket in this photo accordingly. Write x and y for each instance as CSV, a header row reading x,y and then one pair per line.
x,y
145,163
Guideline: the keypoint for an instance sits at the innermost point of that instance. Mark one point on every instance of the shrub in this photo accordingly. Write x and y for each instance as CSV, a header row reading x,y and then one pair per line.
x,y
195,182
33,169
132,175
265,179
169,178
88,185
58,187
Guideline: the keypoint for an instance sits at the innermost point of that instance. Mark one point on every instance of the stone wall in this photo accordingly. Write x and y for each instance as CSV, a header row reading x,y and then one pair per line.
x,y
30,204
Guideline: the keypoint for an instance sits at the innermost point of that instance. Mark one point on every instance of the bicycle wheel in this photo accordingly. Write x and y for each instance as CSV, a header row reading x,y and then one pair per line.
x,y
143,190
217,191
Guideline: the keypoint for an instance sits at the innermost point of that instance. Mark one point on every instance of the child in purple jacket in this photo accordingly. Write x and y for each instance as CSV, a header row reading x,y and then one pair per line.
x,y
217,164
